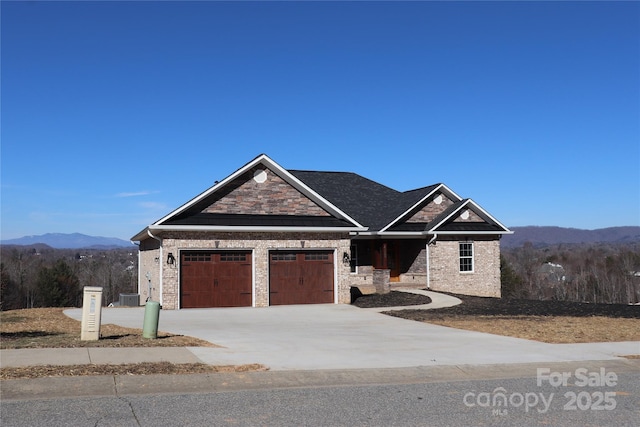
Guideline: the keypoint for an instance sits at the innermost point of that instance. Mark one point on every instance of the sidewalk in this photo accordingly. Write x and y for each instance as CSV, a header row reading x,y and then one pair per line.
x,y
96,355
438,300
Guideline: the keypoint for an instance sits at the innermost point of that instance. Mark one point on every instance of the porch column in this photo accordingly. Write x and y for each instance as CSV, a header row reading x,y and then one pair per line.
x,y
381,280
384,256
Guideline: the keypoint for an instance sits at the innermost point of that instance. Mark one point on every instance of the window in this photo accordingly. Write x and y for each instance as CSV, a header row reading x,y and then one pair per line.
x,y
283,256
197,257
316,256
233,256
466,257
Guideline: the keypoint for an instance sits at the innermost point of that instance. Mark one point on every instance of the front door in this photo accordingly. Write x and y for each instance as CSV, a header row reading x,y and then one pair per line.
x,y
393,261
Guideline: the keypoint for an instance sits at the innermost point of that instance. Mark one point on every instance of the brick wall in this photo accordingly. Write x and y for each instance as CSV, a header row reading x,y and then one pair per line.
x,y
149,264
467,215
445,272
271,197
432,209
260,244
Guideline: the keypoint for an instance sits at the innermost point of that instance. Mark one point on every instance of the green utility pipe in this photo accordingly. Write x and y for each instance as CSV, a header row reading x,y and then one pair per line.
x,y
151,317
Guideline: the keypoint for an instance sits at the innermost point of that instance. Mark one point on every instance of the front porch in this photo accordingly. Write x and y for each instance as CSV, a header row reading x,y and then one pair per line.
x,y
378,265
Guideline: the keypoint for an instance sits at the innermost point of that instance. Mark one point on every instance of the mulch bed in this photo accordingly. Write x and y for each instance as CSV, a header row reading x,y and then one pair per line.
x,y
392,299
473,306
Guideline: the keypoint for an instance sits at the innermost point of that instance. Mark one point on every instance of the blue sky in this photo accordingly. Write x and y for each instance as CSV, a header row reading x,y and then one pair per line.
x,y
116,113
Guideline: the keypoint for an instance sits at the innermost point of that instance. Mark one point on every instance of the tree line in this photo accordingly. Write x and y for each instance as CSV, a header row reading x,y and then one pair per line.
x,y
596,273
40,276
599,273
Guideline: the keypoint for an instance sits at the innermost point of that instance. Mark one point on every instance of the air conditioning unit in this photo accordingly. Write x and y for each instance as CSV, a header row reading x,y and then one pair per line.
x,y
129,300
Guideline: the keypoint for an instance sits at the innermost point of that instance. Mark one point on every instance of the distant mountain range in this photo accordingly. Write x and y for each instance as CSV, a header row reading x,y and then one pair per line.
x,y
538,236
544,236
69,241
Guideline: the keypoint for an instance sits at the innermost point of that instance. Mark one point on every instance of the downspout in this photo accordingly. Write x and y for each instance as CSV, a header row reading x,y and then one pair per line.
x,y
139,273
160,262
429,243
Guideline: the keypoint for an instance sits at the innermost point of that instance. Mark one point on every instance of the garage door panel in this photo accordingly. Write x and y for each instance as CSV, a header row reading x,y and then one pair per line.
x,y
302,277
216,279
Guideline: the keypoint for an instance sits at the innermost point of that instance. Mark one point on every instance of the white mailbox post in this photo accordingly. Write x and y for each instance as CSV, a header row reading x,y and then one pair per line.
x,y
91,313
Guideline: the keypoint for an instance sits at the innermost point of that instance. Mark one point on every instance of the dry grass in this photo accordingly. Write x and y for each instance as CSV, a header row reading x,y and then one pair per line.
x,y
545,321
51,328
549,329
29,372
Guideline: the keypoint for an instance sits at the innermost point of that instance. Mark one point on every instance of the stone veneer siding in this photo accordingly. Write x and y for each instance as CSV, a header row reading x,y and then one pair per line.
x,y
260,244
271,197
431,209
149,262
445,275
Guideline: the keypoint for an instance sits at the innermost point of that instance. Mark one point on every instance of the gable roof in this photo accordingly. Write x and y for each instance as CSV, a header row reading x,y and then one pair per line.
x,y
445,223
353,203
367,201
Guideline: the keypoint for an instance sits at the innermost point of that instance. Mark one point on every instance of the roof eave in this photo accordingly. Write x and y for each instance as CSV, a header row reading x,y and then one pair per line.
x,y
248,228
140,236
439,187
265,160
468,233
420,234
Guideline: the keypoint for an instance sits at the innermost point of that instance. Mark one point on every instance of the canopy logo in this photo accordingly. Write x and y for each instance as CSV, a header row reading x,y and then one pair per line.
x,y
500,401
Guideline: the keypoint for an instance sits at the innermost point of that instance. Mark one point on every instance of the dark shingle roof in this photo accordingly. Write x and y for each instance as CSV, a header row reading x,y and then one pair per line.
x,y
237,220
370,203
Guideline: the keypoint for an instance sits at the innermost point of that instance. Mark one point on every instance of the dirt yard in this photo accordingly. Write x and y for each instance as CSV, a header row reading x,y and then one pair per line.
x,y
546,321
50,328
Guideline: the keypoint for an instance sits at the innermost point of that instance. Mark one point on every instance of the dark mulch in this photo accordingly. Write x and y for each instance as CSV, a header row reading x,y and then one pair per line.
x,y
474,306
392,299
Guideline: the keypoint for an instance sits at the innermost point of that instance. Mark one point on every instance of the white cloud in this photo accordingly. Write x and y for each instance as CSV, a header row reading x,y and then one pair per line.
x,y
136,193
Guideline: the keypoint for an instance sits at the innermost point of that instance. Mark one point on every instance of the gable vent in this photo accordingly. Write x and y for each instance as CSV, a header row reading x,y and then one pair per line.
x,y
260,176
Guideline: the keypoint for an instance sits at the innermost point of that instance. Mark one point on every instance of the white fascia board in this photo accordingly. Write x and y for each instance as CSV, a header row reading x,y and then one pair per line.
x,y
211,190
507,231
450,191
265,160
440,187
474,206
432,230
310,193
422,234
400,234
404,235
247,228
399,217
142,235
470,233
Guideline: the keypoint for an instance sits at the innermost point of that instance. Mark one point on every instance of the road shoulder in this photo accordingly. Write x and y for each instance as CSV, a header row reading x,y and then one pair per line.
x,y
121,385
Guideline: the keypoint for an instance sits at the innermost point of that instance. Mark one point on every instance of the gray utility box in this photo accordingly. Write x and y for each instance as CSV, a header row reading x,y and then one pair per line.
x,y
129,300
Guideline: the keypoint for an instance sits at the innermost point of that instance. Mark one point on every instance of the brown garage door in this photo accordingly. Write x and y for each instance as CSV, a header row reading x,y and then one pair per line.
x,y
300,277
215,279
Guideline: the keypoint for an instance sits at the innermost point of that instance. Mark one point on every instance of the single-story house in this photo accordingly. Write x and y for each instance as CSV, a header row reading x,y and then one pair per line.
x,y
266,235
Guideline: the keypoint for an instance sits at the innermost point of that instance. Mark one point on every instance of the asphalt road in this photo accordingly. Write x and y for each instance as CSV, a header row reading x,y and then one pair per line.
x,y
559,398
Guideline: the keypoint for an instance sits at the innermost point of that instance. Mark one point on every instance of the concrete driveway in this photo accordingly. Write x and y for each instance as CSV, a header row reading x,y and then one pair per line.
x,y
328,336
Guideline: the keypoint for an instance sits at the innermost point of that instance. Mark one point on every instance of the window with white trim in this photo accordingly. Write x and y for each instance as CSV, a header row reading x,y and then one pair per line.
x,y
466,257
